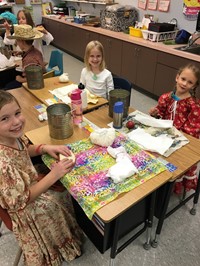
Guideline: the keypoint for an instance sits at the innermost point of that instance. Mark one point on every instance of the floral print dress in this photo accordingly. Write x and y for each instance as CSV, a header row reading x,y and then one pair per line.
x,y
45,228
185,114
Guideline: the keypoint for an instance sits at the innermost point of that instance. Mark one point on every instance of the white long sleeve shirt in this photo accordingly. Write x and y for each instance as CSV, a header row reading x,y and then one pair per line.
x,y
100,84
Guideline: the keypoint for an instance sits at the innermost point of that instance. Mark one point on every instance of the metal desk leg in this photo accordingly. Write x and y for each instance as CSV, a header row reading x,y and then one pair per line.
x,y
147,245
196,197
113,252
169,187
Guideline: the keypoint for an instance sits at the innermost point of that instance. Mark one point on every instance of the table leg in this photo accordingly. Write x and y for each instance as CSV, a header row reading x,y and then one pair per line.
x,y
113,251
162,216
196,197
147,245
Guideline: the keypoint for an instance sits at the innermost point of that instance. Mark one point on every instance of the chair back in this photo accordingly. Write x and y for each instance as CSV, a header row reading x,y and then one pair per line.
x,y
56,60
121,83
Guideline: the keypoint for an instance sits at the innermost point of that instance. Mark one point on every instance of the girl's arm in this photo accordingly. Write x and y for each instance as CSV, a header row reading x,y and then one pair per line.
x,y
47,37
53,150
59,170
82,78
192,124
110,83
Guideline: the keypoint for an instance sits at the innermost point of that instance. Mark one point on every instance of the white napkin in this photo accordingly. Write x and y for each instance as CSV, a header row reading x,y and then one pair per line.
x,y
153,122
159,144
123,168
103,136
5,62
62,93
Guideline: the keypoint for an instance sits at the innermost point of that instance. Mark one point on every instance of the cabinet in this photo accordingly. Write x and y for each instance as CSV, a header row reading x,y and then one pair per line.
x,y
71,39
166,70
113,53
139,65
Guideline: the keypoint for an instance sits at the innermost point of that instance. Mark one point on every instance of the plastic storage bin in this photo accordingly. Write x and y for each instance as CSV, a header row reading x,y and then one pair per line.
x,y
135,32
158,36
79,20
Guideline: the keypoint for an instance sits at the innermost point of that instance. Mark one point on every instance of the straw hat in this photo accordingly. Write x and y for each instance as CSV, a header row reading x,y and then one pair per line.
x,y
25,32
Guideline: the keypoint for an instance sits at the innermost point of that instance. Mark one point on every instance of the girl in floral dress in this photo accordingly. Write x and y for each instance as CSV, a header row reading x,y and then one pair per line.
x,y
183,108
43,225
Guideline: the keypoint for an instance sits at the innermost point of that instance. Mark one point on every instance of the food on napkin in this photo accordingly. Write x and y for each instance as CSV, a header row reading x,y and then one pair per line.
x,y
40,28
103,136
123,168
71,157
91,98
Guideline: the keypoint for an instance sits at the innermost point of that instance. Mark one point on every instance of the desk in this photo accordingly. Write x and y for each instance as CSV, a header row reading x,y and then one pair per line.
x,y
118,217
53,83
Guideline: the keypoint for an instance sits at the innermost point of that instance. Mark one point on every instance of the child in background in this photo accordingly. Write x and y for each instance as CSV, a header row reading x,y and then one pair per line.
x,y
25,35
96,78
24,17
183,108
45,228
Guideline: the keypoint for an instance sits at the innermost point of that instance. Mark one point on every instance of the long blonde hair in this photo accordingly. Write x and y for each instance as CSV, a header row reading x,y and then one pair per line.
x,y
91,45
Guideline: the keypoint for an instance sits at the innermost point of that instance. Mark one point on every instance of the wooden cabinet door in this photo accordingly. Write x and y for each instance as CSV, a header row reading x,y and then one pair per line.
x,y
113,53
139,65
53,27
129,61
146,68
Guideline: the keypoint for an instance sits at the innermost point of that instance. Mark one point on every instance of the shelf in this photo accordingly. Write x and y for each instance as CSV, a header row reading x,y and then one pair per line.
x,y
90,2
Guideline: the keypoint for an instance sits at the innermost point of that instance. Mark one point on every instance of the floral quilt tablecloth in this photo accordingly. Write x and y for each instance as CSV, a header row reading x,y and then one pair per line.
x,y
87,182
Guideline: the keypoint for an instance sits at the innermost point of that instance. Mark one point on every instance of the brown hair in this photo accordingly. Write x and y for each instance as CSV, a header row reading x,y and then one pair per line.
x,y
89,47
6,97
196,71
27,14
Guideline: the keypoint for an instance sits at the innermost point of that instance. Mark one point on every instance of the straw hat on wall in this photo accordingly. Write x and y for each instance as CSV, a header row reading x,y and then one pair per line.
x,y
25,32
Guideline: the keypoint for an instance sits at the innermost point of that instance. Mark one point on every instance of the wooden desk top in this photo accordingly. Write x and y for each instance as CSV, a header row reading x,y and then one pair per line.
x,y
53,83
27,103
125,200
183,158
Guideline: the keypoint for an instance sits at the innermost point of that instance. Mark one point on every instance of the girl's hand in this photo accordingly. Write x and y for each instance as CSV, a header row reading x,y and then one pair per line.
x,y
7,25
55,150
153,111
61,168
20,79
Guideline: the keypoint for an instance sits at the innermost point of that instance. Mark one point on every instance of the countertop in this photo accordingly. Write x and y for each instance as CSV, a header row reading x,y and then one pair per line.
x,y
159,46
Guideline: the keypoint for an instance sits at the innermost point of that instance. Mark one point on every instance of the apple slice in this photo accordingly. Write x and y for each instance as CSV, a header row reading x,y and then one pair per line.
x,y
71,157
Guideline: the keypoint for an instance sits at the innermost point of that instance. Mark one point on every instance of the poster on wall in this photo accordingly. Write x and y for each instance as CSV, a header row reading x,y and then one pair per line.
x,y
191,9
152,4
164,5
46,9
142,4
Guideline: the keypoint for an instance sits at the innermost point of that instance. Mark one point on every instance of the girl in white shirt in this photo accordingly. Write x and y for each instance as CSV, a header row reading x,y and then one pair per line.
x,y
96,78
24,17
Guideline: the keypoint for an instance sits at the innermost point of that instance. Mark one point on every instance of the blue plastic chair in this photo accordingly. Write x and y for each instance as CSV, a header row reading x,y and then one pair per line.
x,y
121,83
56,60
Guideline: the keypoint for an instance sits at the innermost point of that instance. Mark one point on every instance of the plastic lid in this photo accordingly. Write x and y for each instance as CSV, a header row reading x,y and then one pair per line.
x,y
81,86
76,94
118,107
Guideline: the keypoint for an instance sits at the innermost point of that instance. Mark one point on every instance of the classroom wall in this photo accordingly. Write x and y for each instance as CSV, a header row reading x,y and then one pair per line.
x,y
175,11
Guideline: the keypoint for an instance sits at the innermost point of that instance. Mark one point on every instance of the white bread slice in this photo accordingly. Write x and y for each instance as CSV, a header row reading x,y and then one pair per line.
x,y
71,157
